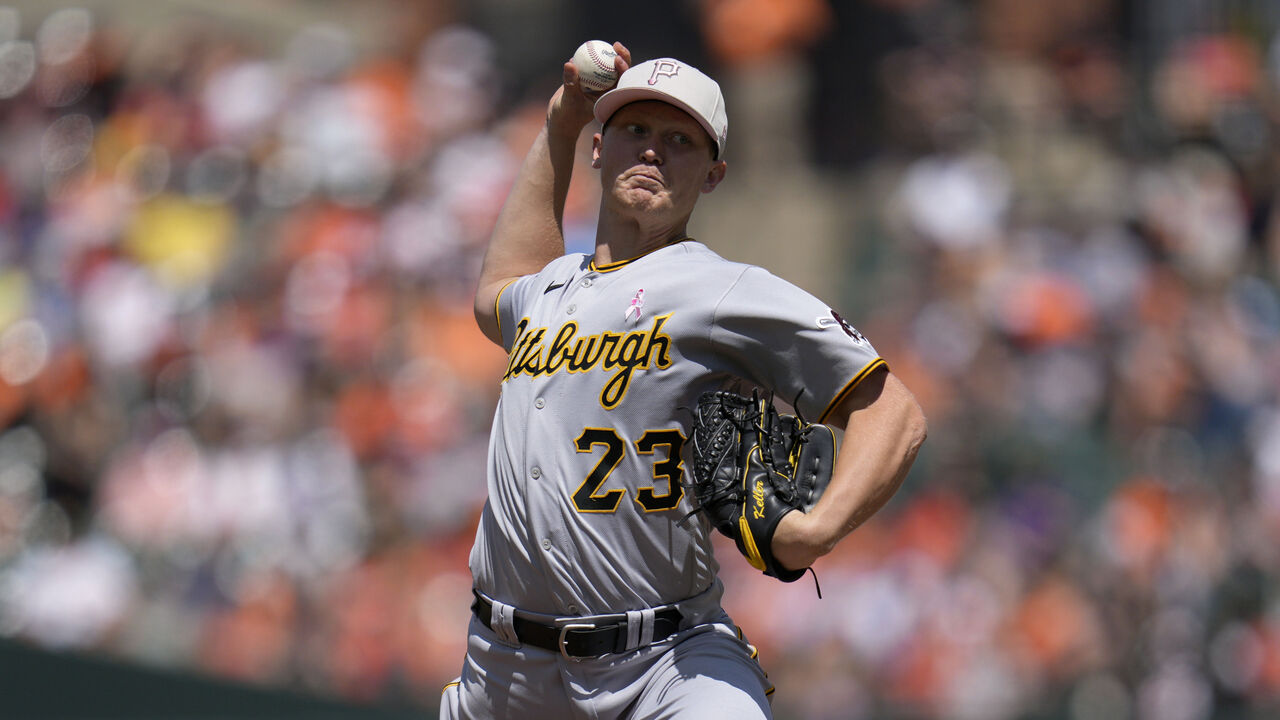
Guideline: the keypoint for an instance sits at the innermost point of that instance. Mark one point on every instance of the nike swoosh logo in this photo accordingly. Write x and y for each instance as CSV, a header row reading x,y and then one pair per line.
x,y
553,286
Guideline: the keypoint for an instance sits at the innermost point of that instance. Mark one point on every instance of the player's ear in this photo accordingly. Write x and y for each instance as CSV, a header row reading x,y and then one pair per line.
x,y
714,176
596,139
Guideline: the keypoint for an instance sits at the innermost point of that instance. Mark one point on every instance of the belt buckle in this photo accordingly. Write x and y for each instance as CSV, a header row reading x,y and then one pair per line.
x,y
564,631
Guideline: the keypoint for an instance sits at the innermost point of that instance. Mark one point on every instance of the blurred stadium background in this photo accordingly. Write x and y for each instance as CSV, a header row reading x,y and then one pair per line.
x,y
244,406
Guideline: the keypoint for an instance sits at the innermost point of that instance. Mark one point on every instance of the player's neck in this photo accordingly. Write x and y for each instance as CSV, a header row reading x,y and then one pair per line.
x,y
623,239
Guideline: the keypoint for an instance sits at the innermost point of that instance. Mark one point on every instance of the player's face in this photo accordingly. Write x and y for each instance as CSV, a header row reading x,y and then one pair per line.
x,y
655,158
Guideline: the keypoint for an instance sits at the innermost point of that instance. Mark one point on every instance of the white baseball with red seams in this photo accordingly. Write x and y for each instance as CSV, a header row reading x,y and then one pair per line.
x,y
594,60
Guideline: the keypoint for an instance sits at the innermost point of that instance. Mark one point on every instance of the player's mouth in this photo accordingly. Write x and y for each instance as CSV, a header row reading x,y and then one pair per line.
x,y
644,171
643,179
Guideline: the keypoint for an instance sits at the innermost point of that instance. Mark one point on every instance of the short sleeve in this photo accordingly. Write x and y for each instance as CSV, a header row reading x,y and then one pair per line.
x,y
511,299
792,343
516,298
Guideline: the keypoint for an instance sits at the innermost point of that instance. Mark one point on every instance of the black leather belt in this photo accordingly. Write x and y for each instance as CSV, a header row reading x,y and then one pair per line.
x,y
578,639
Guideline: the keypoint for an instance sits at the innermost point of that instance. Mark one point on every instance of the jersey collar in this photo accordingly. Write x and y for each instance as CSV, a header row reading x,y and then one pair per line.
x,y
609,267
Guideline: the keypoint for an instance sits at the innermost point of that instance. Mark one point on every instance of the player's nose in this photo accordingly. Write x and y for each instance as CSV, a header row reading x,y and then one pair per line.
x,y
651,156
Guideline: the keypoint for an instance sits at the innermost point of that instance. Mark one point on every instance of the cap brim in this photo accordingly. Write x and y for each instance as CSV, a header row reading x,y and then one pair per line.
x,y
610,102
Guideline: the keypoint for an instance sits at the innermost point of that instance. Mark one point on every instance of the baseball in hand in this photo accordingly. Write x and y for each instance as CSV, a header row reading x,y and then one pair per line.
x,y
594,60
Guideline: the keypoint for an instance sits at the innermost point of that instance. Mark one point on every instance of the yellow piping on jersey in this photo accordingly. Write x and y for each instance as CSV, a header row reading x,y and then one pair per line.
x,y
848,388
608,267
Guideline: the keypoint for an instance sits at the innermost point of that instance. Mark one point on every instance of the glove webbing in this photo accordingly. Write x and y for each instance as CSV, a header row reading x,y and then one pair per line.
x,y
720,445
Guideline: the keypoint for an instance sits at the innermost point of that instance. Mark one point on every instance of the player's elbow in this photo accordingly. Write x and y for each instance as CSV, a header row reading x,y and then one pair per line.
x,y
912,424
909,427
917,429
906,418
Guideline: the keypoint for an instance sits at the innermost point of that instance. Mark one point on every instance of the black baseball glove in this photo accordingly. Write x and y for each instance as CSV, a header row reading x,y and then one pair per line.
x,y
751,466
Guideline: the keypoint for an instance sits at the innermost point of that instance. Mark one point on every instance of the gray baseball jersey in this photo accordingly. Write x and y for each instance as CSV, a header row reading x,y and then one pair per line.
x,y
587,448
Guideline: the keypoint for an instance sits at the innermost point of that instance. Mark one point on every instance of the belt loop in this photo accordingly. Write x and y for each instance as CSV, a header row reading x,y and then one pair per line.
x,y
634,621
640,628
502,622
646,626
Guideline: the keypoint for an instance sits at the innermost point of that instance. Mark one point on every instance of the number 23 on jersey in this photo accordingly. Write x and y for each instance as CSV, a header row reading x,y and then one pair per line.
x,y
664,445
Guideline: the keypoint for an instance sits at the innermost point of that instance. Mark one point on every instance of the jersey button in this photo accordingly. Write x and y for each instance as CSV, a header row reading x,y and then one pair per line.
x,y
586,282
536,472
573,609
539,403
571,309
546,544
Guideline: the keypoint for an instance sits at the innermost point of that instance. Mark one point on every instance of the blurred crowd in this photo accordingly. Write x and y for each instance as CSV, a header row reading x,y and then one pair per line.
x,y
244,406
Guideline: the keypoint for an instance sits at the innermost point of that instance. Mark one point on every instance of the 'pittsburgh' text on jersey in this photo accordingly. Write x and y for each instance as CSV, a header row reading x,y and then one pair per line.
x,y
619,352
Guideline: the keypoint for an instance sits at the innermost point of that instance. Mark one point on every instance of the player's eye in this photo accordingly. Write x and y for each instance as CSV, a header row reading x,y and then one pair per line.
x,y
681,139
635,129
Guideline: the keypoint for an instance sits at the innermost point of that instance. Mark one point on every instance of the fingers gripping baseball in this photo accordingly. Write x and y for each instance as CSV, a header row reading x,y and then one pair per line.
x,y
571,105
595,67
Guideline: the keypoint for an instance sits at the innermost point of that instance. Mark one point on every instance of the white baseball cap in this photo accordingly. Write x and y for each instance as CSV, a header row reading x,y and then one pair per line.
x,y
674,82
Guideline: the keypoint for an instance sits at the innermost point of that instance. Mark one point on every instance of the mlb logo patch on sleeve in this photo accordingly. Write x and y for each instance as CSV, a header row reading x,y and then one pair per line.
x,y
825,322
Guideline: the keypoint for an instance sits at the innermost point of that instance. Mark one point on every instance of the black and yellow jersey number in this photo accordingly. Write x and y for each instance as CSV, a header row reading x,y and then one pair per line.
x,y
668,468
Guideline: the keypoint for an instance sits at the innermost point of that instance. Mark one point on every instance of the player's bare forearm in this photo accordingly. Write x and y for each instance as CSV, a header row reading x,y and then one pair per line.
x,y
884,430
529,230
528,233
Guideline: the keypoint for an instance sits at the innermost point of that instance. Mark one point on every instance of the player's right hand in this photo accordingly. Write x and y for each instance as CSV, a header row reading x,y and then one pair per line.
x,y
573,104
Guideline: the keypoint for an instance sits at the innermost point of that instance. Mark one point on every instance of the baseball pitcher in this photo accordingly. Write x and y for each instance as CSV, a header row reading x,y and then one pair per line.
x,y
636,419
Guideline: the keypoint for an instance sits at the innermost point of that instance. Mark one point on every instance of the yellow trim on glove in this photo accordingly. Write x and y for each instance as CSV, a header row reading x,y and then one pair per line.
x,y
749,543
